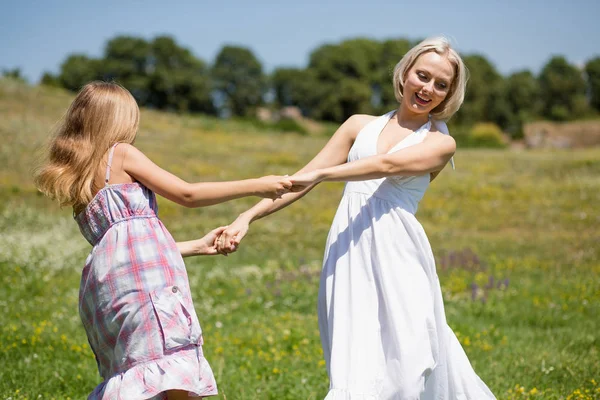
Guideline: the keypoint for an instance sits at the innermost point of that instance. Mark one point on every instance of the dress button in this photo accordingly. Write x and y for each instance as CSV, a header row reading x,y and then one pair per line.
x,y
174,290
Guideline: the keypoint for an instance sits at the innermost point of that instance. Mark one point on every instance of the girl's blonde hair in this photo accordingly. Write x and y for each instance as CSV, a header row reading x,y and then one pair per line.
x,y
456,94
102,114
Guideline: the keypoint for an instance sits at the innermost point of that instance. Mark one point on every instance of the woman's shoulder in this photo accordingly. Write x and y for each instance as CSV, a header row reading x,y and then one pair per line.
x,y
356,122
439,126
362,118
439,131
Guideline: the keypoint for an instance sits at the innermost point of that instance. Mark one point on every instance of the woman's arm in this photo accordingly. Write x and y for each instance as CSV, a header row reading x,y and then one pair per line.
x,y
335,152
429,156
141,168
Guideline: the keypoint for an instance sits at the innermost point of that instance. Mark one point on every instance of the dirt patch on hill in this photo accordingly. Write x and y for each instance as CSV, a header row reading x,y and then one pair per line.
x,y
564,135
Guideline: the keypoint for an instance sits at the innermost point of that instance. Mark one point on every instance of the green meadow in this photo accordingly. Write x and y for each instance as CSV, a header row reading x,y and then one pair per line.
x,y
515,234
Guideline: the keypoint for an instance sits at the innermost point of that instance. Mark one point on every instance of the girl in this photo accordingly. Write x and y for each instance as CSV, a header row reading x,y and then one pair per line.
x,y
381,315
134,297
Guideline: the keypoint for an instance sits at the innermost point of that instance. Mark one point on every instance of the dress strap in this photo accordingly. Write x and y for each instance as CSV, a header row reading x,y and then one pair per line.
x,y
110,157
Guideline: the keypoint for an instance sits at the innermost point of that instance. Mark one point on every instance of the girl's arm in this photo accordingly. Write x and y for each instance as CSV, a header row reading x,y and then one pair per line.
x,y
429,156
204,246
142,169
335,152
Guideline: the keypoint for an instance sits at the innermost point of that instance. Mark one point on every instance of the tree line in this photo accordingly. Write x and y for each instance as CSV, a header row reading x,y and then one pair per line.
x,y
341,79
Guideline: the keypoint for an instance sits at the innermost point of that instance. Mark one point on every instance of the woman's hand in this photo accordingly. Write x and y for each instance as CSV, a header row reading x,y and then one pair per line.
x,y
303,180
231,237
273,186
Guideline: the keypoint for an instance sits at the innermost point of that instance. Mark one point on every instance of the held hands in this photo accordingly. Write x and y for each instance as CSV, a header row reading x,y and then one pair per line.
x,y
207,245
230,238
273,186
304,180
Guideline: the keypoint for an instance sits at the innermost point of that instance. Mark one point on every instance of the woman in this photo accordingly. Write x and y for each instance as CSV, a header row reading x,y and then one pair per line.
x,y
381,315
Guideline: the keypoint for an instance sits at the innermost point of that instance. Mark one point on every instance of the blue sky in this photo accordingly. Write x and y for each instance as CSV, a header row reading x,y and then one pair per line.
x,y
37,36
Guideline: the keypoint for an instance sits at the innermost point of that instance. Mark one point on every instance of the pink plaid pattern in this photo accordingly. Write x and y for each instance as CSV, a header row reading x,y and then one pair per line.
x,y
135,301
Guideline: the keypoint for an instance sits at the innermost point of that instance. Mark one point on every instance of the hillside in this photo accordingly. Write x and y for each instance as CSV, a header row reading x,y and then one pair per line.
x,y
515,235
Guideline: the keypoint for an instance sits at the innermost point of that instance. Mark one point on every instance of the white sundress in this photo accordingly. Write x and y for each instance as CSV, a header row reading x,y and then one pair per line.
x,y
381,315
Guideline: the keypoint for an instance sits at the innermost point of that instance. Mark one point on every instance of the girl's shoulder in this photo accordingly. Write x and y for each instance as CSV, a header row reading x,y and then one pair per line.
x,y
121,149
114,161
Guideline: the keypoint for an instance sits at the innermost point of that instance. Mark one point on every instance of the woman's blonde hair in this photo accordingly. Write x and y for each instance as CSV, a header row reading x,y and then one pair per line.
x,y
102,114
456,93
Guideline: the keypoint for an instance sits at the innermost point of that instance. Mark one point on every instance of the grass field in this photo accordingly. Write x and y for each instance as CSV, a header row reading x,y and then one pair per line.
x,y
515,235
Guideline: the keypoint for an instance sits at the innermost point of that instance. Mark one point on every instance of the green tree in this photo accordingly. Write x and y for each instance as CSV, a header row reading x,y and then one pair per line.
x,y
592,70
562,88
239,80
392,52
126,60
176,79
295,87
354,58
485,99
14,73
523,97
159,74
50,80
77,70
338,101
346,74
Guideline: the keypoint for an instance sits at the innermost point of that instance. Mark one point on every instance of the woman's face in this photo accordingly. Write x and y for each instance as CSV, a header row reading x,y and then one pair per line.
x,y
427,82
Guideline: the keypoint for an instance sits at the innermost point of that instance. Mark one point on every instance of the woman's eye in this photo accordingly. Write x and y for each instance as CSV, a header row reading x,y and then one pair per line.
x,y
422,76
442,85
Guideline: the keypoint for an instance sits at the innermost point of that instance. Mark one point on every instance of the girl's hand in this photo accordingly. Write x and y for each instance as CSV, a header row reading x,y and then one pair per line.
x,y
208,244
231,237
304,180
205,246
273,186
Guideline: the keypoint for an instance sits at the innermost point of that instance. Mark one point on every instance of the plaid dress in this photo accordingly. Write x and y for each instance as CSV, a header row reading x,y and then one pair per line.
x,y
135,300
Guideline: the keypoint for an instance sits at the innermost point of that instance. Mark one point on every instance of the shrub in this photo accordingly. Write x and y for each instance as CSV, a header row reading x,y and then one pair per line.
x,y
486,134
479,135
290,125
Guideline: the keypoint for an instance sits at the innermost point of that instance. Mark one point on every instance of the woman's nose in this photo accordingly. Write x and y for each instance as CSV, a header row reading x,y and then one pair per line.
x,y
428,87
